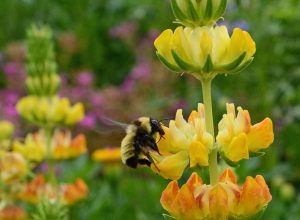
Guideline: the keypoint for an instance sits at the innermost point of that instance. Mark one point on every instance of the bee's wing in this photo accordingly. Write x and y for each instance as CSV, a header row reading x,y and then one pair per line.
x,y
110,122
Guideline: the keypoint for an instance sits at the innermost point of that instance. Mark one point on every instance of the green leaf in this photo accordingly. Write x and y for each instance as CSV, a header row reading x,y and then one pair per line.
x,y
167,64
209,8
168,217
221,9
177,11
208,66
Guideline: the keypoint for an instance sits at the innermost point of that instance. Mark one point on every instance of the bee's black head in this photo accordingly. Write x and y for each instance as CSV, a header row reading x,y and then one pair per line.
x,y
156,127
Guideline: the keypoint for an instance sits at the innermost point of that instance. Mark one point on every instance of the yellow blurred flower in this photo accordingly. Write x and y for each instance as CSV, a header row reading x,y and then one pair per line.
x,y
50,110
68,193
184,142
205,51
198,13
6,130
76,192
238,139
13,167
33,148
225,200
107,155
63,146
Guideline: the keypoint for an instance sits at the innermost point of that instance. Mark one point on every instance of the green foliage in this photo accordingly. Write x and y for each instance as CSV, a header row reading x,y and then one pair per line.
x,y
49,209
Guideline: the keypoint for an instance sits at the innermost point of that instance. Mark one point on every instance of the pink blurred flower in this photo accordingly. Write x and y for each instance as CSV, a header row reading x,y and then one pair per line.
x,y
85,79
123,30
141,71
89,121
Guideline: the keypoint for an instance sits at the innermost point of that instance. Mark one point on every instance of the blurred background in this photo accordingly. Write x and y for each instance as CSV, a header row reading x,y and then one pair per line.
x,y
107,60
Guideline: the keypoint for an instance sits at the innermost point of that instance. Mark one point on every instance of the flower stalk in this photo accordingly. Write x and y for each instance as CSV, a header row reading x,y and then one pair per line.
x,y
213,158
51,163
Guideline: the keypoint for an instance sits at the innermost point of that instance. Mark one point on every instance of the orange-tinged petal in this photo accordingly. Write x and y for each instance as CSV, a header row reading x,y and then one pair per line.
x,y
168,197
193,115
187,204
198,154
261,135
238,148
252,198
218,203
266,192
194,181
228,176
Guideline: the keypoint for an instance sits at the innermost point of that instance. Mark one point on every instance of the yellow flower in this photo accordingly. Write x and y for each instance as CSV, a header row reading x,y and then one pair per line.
x,y
12,167
205,51
107,155
33,148
225,200
184,142
63,146
68,193
50,110
198,13
6,130
238,139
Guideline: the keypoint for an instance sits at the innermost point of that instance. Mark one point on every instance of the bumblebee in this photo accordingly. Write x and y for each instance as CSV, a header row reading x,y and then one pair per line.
x,y
140,140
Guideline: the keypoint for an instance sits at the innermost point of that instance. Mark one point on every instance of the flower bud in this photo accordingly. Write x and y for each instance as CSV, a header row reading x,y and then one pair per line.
x,y
193,13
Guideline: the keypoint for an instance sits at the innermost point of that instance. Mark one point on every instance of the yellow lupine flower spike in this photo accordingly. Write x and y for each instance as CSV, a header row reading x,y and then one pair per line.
x,y
205,51
225,200
238,139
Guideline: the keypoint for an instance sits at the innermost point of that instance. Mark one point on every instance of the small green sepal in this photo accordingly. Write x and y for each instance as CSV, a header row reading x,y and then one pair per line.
x,y
167,64
183,64
221,9
257,154
168,217
208,66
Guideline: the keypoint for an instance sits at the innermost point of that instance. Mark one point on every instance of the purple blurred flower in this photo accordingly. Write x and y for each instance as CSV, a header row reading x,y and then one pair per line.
x,y
11,68
89,121
141,71
77,93
85,79
10,111
180,104
241,24
123,30
96,100
127,85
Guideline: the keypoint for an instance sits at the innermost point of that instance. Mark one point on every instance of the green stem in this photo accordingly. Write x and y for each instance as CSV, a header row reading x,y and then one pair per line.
x,y
51,162
209,121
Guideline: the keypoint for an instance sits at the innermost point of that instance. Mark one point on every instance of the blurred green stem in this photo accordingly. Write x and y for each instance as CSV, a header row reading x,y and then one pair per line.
x,y
50,158
209,121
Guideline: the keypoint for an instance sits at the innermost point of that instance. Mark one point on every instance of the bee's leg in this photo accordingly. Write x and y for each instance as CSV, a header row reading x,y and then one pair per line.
x,y
151,143
144,162
152,161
